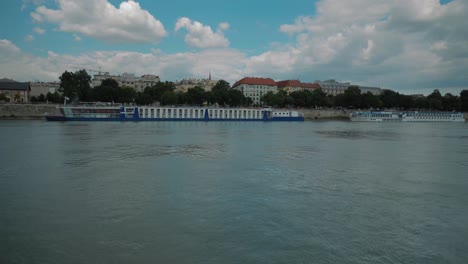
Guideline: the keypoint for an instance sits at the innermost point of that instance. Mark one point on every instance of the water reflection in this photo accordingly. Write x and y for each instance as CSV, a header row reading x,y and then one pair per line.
x,y
359,134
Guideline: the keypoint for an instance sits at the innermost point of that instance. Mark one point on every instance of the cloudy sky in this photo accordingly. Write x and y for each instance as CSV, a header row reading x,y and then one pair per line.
x,y
405,45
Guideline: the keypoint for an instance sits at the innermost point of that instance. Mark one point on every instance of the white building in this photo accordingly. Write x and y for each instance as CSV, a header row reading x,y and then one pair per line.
x,y
373,90
127,80
333,87
255,88
185,84
38,88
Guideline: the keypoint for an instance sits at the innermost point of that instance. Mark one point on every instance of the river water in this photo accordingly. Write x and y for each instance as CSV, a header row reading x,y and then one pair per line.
x,y
311,192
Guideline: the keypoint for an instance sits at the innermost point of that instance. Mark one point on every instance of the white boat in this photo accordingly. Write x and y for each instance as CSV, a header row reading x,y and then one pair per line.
x,y
375,116
432,117
412,116
148,113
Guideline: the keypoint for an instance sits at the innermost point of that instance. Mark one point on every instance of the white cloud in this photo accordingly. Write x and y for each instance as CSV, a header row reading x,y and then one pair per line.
x,y
101,20
399,44
223,26
76,37
26,3
29,38
403,45
201,36
39,30
225,64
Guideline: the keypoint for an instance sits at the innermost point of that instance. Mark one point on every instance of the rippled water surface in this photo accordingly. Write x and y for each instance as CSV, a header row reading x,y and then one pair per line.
x,y
312,192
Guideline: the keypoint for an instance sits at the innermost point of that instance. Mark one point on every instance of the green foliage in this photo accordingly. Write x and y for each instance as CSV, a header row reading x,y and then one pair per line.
x,y
54,97
169,98
464,100
369,100
143,99
3,97
219,93
195,96
352,97
235,98
76,85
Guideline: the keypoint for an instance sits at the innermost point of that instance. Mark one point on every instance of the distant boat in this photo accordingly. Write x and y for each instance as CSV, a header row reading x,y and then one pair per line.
x,y
412,116
432,117
375,116
148,113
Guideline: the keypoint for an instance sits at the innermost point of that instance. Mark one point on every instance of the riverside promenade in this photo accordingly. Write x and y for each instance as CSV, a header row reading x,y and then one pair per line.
x,y
37,111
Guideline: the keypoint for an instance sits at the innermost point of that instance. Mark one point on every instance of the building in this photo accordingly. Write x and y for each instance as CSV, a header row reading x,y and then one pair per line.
x,y
373,90
332,87
294,85
289,86
185,84
14,91
255,88
38,88
310,86
127,80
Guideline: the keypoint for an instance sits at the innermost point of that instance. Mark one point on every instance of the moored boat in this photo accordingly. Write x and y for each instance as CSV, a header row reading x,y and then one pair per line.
x,y
374,116
409,116
149,113
432,117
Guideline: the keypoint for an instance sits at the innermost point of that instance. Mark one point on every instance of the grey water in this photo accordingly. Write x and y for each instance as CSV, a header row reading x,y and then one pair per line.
x,y
168,192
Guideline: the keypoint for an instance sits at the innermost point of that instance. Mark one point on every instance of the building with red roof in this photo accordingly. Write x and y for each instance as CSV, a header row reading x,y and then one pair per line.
x,y
289,86
310,86
255,88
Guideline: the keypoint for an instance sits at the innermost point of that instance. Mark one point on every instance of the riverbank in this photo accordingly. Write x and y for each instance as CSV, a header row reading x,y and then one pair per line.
x,y
37,112
27,111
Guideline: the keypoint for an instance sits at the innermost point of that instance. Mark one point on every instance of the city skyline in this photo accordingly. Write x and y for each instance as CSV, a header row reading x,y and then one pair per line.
x,y
407,46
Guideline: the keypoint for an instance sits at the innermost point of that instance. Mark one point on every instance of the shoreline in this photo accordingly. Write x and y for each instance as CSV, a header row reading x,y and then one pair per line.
x,y
37,112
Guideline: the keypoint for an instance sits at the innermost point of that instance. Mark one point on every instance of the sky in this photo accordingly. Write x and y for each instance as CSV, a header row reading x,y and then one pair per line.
x,y
410,46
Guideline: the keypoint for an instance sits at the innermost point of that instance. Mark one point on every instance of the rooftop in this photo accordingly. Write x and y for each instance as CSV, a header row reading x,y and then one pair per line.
x,y
12,85
255,81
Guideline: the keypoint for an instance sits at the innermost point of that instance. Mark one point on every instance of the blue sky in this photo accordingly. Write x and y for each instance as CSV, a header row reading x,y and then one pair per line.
x,y
409,46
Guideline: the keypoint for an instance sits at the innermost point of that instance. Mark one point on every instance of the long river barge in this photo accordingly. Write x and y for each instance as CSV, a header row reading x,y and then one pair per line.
x,y
149,113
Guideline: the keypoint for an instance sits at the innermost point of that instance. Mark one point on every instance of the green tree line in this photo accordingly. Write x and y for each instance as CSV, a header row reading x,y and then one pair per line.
x,y
77,87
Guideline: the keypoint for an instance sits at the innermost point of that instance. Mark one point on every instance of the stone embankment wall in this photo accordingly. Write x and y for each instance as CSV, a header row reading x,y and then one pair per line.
x,y
27,111
37,111
317,114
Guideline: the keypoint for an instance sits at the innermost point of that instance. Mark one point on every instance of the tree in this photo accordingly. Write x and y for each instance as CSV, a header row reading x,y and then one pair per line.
x,y
75,85
300,98
155,92
278,99
435,100
126,95
318,98
450,102
41,98
405,101
464,100
54,97
195,95
219,93
352,97
235,98
369,100
389,99
169,98
108,91
3,97
221,85
143,98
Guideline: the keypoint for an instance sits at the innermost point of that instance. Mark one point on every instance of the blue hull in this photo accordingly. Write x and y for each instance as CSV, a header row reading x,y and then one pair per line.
x,y
273,119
